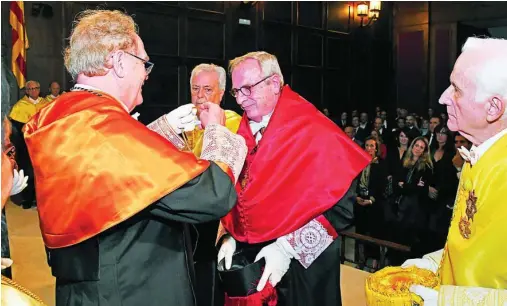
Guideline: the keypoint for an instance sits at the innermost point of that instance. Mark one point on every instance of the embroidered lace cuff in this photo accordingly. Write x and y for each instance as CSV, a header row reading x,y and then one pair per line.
x,y
162,127
311,240
221,145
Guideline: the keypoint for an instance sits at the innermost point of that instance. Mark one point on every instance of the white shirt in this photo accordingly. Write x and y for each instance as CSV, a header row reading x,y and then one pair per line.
x,y
96,89
35,101
483,147
257,126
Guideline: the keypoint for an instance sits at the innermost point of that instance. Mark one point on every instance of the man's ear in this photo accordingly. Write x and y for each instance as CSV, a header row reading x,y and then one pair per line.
x,y
116,62
221,95
495,108
275,82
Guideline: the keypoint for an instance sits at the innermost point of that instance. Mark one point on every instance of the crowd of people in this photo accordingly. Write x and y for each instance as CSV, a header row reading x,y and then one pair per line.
x,y
407,194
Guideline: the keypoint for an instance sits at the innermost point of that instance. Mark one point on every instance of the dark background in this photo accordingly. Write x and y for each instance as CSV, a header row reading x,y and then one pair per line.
x,y
402,60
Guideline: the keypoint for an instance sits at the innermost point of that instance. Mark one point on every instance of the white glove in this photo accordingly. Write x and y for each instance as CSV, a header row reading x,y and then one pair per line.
x,y
6,262
136,115
277,255
421,263
183,118
430,296
19,182
227,249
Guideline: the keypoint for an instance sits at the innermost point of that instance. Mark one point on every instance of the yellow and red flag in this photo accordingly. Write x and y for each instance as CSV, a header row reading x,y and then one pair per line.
x,y
19,41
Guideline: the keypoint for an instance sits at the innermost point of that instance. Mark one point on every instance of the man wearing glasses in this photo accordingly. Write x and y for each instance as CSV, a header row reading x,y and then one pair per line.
x,y
29,104
295,193
114,196
21,112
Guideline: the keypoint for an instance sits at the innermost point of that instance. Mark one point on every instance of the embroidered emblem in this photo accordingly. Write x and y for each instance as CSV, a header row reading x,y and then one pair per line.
x,y
471,205
464,228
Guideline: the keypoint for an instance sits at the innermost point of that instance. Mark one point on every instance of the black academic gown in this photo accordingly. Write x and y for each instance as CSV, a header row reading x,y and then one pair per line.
x,y
147,259
320,283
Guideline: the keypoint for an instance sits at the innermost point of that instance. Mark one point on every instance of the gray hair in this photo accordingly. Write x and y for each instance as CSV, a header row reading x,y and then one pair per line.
x,y
491,77
210,68
268,62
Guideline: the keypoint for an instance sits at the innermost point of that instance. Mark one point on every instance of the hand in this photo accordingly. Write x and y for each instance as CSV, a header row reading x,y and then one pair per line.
x,y
401,184
277,255
227,249
6,262
183,118
19,182
420,183
430,296
421,263
432,193
210,113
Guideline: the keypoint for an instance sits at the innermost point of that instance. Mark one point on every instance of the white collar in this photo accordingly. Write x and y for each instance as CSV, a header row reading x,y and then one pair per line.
x,y
34,101
257,126
54,97
483,147
363,125
96,89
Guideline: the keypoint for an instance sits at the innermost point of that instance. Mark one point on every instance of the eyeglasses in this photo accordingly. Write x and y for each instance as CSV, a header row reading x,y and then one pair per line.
x,y
147,64
34,88
247,89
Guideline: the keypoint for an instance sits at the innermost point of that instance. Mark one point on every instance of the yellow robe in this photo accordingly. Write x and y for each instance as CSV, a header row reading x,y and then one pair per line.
x,y
50,98
473,268
195,137
24,109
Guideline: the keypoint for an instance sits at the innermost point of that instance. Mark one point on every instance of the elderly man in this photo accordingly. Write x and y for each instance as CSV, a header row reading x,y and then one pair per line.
x,y
54,91
20,113
29,104
286,215
471,266
115,198
207,84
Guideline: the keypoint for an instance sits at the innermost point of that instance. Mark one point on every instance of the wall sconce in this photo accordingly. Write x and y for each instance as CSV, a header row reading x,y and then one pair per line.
x,y
371,12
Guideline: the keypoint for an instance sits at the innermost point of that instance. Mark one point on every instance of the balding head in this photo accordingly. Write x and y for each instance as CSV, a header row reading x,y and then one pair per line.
x,y
54,88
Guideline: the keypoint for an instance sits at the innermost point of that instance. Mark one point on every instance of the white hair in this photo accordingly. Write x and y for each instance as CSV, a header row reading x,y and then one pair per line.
x,y
491,77
210,68
269,63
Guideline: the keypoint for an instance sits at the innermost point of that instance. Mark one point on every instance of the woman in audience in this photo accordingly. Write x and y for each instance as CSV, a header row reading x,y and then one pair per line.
x,y
382,146
442,190
368,210
411,191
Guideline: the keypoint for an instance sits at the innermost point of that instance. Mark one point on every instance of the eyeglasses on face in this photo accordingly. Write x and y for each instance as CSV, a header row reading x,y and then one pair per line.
x,y
33,88
247,89
147,64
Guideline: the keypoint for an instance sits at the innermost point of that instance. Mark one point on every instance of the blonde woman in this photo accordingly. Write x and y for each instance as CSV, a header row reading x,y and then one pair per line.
x,y
412,182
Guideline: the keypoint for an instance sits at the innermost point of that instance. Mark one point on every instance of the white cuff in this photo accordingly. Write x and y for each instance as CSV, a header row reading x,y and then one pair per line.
x,y
162,127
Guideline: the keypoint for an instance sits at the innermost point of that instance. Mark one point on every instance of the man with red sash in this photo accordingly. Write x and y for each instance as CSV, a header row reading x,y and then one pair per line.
x,y
295,193
114,196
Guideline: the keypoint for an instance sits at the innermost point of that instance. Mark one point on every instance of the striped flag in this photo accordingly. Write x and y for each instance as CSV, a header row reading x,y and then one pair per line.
x,y
19,41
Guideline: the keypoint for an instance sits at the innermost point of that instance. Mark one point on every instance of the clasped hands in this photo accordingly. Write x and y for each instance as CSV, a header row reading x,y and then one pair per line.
x,y
184,118
277,255
430,296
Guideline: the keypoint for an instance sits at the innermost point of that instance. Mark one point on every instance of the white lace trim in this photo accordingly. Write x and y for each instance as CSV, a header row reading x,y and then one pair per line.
x,y
162,127
221,145
309,241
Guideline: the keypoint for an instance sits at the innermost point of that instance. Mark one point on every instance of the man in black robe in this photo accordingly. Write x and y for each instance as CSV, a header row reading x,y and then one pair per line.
x,y
114,197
